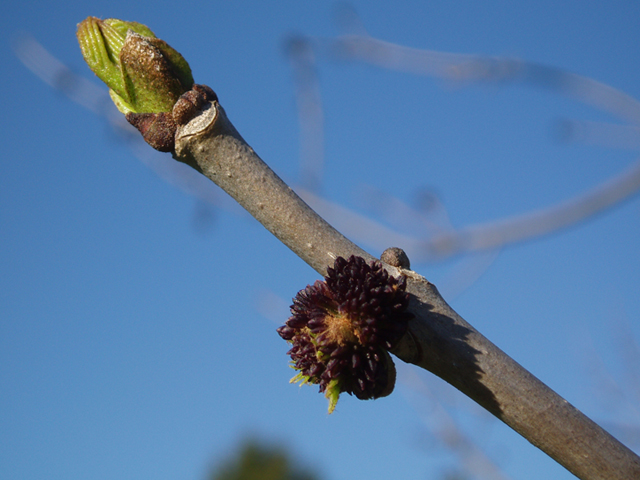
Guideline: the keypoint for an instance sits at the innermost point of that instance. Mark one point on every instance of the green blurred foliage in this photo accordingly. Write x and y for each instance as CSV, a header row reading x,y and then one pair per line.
x,y
257,461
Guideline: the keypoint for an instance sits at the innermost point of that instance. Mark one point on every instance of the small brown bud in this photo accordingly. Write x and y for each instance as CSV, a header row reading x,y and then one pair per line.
x,y
396,257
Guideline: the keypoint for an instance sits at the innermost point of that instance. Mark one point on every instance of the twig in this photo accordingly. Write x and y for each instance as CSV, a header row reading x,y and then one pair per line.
x,y
438,340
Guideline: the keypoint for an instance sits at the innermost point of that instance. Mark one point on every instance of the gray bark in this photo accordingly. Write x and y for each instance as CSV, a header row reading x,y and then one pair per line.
x,y
438,340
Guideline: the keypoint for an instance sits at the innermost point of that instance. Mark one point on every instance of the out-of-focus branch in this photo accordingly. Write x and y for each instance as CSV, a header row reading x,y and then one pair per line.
x,y
353,225
534,224
87,94
475,68
618,395
464,68
310,113
491,235
55,73
438,340
626,137
445,428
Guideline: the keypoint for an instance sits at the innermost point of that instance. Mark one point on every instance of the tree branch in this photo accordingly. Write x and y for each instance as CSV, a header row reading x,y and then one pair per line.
x,y
438,340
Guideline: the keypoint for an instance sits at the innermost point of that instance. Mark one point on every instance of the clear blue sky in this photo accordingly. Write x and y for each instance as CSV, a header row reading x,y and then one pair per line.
x,y
134,342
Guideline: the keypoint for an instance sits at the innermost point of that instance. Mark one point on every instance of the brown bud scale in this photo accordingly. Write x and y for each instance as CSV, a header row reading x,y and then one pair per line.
x,y
159,129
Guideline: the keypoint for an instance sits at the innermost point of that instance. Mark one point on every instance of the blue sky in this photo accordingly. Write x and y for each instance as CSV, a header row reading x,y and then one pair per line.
x,y
137,322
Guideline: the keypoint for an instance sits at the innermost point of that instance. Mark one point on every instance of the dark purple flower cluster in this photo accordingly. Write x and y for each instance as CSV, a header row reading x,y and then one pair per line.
x,y
341,328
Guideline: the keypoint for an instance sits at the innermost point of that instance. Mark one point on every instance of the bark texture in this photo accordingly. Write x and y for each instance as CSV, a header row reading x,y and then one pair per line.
x,y
438,340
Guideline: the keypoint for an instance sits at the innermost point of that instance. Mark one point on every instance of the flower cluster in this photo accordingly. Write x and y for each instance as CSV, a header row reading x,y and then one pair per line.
x,y
341,328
